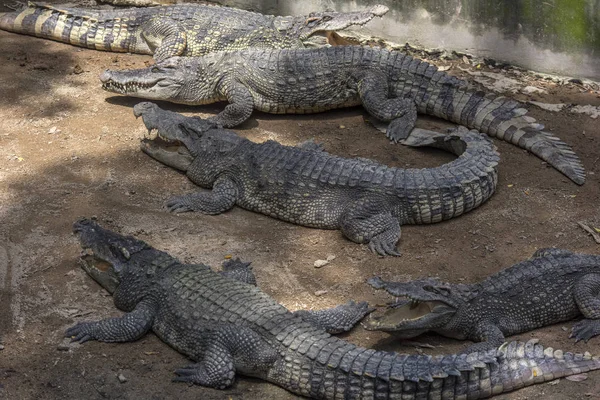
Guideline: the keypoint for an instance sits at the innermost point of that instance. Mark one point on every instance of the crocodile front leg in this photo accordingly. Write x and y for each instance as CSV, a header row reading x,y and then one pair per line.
x,y
373,90
164,37
127,328
241,104
220,199
587,296
337,319
490,335
381,231
229,349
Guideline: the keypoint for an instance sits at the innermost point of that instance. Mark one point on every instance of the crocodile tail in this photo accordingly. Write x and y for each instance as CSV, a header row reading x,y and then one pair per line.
x,y
94,29
524,364
454,188
505,119
342,370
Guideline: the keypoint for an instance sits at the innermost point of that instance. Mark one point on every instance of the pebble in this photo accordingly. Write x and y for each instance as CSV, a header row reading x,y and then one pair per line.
x,y
320,292
122,378
1,347
53,130
62,347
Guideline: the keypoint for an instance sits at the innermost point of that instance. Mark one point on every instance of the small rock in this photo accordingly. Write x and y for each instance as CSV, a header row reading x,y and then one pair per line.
x,y
122,378
320,263
320,292
53,130
77,69
342,126
330,257
64,346
1,347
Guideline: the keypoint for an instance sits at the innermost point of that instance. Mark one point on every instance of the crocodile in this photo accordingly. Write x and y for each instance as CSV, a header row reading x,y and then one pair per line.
x,y
553,286
305,185
228,327
176,30
390,85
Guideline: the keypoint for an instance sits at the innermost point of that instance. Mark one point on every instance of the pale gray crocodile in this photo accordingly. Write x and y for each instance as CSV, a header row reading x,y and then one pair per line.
x,y
390,85
230,327
553,286
176,30
305,185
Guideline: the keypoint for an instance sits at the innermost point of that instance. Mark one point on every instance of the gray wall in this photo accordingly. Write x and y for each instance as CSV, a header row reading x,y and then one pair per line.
x,y
556,36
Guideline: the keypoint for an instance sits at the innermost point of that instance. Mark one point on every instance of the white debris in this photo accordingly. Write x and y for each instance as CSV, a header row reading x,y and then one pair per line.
x,y
533,89
547,106
590,110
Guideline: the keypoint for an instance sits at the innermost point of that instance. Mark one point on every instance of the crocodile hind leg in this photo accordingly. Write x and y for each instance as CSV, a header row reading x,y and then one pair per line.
x,y
337,319
380,230
374,95
164,37
220,199
587,296
229,349
127,328
239,270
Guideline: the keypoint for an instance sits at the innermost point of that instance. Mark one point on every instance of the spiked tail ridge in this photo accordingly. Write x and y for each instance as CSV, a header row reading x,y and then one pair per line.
x,y
505,119
341,370
524,364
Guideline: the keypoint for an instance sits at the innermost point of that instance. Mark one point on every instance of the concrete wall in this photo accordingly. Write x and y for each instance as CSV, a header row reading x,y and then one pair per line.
x,y
555,36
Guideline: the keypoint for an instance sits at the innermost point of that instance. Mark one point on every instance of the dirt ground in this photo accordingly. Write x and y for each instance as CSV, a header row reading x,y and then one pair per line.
x,y
69,149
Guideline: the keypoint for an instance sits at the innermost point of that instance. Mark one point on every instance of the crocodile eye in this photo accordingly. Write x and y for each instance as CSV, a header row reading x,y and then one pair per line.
x,y
155,69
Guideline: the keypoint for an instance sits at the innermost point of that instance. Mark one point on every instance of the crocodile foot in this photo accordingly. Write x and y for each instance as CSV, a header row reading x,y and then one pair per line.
x,y
585,330
384,247
179,204
199,374
82,332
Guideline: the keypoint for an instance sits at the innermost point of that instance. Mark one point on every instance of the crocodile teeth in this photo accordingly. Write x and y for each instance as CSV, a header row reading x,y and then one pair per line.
x,y
152,134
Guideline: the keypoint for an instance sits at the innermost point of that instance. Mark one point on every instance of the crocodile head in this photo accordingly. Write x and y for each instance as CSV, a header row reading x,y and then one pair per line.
x,y
430,306
305,26
109,256
179,139
176,79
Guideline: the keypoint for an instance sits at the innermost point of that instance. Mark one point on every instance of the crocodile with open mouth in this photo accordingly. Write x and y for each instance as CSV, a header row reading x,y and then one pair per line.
x,y
177,30
553,286
229,327
305,185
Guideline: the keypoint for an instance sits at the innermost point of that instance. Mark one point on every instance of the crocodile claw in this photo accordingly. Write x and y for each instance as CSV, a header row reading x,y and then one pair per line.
x,y
383,248
81,332
585,330
178,204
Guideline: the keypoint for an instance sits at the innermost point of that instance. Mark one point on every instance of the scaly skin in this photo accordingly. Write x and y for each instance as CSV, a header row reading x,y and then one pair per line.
x,y
304,185
229,327
553,286
390,85
177,30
